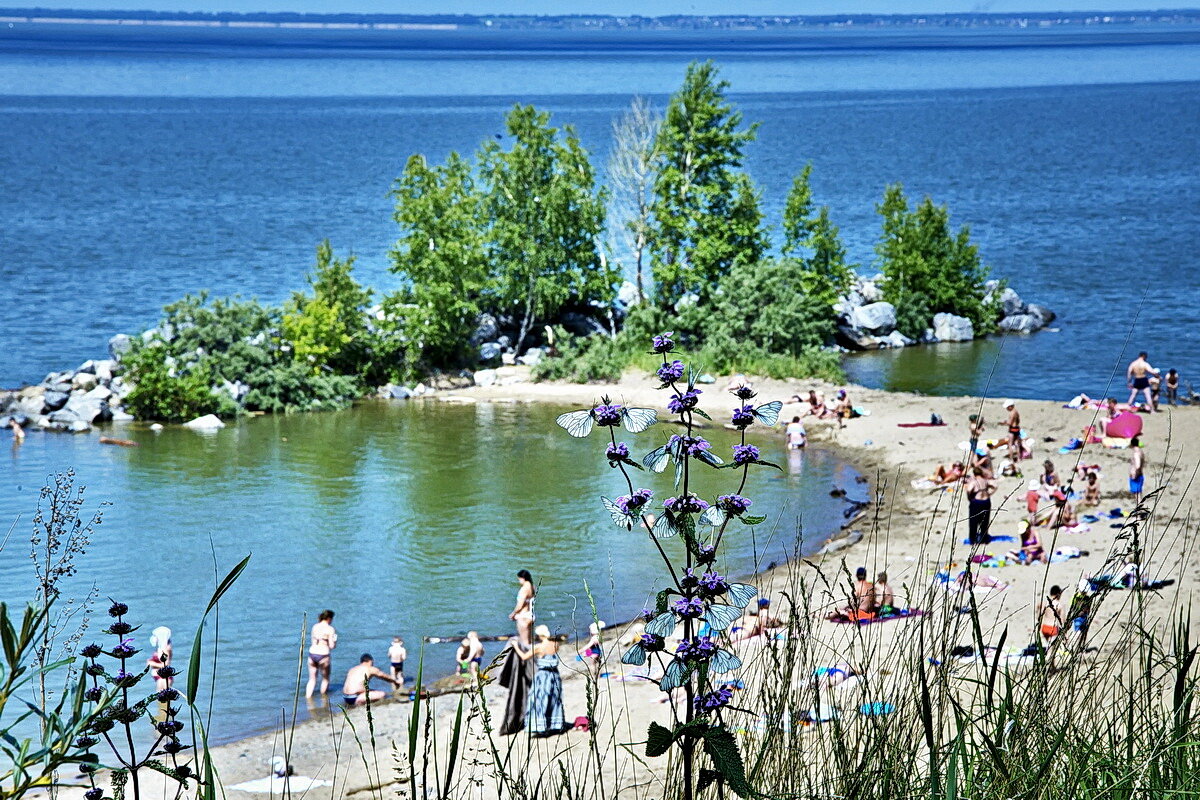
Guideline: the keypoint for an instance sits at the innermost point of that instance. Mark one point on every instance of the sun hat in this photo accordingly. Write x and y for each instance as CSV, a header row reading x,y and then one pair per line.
x,y
542,631
597,626
1009,404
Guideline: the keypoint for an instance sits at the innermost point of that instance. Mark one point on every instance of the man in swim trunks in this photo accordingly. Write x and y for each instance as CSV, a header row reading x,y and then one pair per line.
x,y
1138,376
1014,431
357,691
1137,464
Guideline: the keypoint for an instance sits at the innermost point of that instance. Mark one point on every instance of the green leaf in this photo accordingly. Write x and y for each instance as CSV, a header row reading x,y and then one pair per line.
x,y
193,673
752,520
658,740
702,413
721,747
223,587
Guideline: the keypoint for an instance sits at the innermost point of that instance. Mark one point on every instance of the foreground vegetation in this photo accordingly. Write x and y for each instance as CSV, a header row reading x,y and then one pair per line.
x,y
520,245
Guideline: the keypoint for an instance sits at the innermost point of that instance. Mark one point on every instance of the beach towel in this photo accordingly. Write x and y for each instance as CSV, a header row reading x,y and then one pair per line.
x,y
920,424
995,539
280,786
906,613
876,709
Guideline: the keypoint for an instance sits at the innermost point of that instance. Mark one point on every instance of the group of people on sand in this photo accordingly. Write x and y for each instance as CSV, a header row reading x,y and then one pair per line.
x,y
869,600
816,406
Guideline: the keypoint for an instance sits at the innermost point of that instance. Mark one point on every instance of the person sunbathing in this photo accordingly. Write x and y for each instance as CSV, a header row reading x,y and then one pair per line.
x,y
1031,551
944,475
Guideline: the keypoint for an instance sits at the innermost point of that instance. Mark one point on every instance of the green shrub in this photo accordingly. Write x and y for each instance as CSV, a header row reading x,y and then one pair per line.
x,y
159,395
584,359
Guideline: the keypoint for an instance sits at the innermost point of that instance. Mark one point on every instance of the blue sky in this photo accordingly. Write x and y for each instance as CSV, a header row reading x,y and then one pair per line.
x,y
645,7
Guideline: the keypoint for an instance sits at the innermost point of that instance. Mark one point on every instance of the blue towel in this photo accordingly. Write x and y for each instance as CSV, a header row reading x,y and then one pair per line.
x,y
996,539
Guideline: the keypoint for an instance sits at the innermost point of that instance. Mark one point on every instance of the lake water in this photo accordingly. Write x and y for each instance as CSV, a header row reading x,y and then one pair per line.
x,y
131,176
405,518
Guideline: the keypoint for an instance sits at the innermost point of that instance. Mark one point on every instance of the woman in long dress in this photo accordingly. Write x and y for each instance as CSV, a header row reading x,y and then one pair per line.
x,y
544,714
523,614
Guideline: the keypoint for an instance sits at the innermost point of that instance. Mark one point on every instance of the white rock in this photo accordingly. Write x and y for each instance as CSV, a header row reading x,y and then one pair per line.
x,y
870,292
209,422
156,427
485,377
877,318
951,328
508,359
119,415
83,380
104,370
897,339
532,356
627,295
79,426
99,393
420,389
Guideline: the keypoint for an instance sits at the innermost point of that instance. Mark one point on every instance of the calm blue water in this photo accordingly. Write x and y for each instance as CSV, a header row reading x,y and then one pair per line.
x,y
130,178
125,182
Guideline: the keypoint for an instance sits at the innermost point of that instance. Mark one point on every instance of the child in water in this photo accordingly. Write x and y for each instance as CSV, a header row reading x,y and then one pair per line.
x,y
397,655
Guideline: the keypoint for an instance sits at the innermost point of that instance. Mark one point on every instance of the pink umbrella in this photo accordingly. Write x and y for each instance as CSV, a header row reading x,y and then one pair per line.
x,y
1125,425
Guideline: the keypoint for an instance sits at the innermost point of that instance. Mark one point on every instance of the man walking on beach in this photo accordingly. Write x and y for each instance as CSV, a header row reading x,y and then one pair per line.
x,y
1138,376
1137,463
1014,431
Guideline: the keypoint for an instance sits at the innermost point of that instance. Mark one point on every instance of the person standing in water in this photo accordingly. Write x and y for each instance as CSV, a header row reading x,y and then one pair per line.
x,y
160,656
797,437
523,614
1138,376
470,655
324,640
397,654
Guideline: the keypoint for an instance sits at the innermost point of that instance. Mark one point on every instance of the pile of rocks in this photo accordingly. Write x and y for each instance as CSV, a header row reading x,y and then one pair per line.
x,y
866,322
72,401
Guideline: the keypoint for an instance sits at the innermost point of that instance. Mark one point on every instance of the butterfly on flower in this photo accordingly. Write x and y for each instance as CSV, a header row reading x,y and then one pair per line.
x,y
607,415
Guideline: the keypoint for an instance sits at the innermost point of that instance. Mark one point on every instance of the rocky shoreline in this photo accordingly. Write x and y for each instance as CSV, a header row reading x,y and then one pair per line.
x,y
72,401
866,322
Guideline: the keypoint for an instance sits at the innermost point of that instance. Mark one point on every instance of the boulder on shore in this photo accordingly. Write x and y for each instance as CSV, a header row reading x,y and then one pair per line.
x,y
118,346
485,377
853,338
1021,323
951,328
489,351
875,318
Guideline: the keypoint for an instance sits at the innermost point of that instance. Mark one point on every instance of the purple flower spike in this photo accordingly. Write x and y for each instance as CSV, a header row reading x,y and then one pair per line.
x,y
617,452
689,504
743,417
744,393
607,414
706,553
745,454
712,584
652,643
631,504
734,504
711,701
699,648
684,402
669,373
688,607
663,342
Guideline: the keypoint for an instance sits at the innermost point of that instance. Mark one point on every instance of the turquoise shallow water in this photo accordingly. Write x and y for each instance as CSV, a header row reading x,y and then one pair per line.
x,y
406,519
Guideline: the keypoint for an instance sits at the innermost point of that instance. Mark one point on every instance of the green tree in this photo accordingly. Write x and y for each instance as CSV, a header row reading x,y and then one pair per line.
x,y
929,269
811,239
441,255
705,215
759,306
328,329
545,217
798,214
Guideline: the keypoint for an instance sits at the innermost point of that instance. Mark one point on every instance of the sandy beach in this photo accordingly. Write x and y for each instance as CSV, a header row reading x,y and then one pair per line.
x,y
904,533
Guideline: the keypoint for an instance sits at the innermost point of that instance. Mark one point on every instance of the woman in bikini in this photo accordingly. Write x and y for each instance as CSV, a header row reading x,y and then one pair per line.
x,y
324,639
523,613
1049,616
593,651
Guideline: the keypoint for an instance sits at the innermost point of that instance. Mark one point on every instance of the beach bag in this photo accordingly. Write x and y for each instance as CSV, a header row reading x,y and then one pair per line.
x,y
582,724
